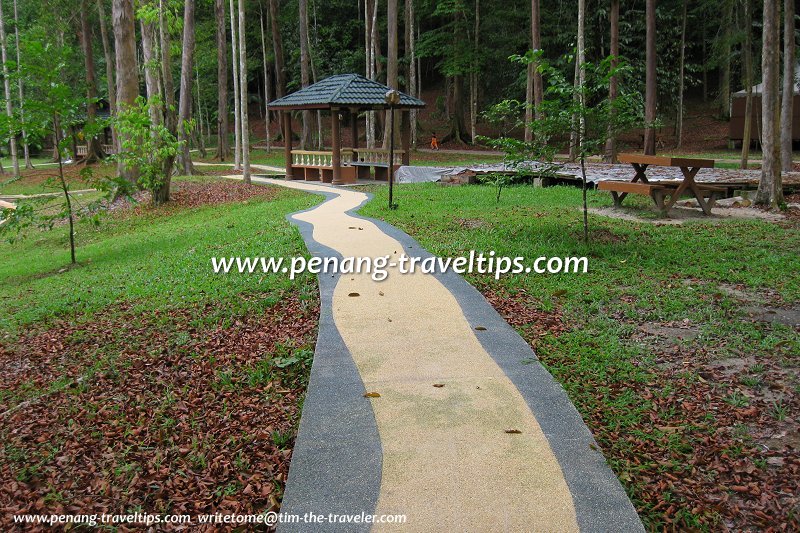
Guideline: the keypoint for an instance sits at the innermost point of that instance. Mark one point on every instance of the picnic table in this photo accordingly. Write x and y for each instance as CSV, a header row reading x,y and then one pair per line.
x,y
664,192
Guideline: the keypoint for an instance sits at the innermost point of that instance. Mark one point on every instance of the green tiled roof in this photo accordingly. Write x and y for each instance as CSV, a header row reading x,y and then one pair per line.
x,y
345,90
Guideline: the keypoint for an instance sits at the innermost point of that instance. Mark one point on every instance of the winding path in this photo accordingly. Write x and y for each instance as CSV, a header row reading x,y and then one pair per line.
x,y
441,456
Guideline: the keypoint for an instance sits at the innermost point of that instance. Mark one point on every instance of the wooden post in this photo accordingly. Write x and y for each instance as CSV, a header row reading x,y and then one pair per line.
x,y
405,135
336,147
287,144
354,127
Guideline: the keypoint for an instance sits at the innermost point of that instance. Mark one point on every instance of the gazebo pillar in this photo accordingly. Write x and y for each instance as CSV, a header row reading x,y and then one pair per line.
x,y
287,144
405,135
354,127
336,147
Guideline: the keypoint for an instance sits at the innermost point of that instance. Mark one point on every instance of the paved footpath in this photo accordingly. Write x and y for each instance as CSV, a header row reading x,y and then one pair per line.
x,y
441,456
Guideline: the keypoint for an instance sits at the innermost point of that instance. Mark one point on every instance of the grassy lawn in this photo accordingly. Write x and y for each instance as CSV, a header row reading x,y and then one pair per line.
x,y
665,346
140,380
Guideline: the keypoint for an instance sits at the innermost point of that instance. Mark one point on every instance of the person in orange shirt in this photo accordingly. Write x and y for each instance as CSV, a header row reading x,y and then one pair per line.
x,y
434,142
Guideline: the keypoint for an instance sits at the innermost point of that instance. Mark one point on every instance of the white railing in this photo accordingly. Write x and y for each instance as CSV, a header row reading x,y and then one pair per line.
x,y
377,156
319,159
82,149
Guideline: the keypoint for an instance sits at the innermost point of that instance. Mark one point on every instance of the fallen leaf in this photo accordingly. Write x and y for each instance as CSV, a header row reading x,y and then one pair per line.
x,y
354,294
513,431
438,385
371,395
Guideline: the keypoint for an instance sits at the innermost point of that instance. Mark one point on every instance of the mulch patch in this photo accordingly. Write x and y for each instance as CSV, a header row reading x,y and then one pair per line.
x,y
177,418
191,194
711,451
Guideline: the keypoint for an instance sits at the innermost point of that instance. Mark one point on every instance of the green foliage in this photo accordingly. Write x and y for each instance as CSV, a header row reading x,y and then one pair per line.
x,y
146,144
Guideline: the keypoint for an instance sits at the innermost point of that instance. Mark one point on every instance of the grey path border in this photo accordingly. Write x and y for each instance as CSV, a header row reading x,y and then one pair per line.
x,y
601,503
337,458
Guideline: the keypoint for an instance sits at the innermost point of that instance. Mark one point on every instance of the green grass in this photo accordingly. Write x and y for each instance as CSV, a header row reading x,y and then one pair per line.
x,y
158,260
639,273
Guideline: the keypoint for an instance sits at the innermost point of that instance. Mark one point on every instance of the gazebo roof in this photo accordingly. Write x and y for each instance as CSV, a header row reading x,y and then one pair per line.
x,y
343,90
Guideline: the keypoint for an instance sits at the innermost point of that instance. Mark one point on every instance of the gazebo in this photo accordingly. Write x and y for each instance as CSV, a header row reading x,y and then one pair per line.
x,y
344,96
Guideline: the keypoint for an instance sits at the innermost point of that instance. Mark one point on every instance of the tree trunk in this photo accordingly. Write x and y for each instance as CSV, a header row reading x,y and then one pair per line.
x,y
245,124
536,39
411,76
170,118
151,69
391,61
223,144
185,98
93,149
198,127
725,71
770,191
747,68
237,94
611,142
305,73
787,111
679,118
266,80
25,148
370,16
12,139
650,83
473,77
127,78
277,47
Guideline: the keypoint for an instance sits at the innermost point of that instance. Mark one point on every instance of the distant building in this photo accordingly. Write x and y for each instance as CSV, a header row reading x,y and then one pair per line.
x,y
736,125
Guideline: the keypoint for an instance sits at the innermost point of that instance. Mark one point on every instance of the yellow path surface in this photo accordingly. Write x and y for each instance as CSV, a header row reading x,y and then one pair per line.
x,y
448,462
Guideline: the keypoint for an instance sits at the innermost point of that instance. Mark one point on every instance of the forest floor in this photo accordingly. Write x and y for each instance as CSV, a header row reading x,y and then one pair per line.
x,y
138,379
681,358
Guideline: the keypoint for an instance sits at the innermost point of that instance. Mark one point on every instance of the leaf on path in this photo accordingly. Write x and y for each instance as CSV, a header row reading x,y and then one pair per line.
x,y
354,294
438,385
480,328
513,431
371,395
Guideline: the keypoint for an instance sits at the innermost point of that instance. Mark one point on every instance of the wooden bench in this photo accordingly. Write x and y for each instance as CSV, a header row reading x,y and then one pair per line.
x,y
706,195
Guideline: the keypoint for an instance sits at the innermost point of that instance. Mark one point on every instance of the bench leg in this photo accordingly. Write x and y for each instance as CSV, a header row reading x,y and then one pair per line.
x,y
658,198
617,198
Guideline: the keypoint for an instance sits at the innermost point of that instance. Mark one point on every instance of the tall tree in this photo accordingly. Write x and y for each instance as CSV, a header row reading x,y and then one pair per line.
x,y
223,148
12,138
370,36
725,57
747,72
110,88
534,89
650,81
277,48
613,84
770,188
237,94
185,96
305,72
580,59
93,149
165,46
681,76
473,77
127,73
411,75
25,148
266,79
789,82
391,61
245,124
536,40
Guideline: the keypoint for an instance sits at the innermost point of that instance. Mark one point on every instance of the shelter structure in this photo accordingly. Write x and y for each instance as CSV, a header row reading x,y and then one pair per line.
x,y
344,96
738,99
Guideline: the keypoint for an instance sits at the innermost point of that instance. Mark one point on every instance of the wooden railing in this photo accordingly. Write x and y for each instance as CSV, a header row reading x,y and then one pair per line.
x,y
319,159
